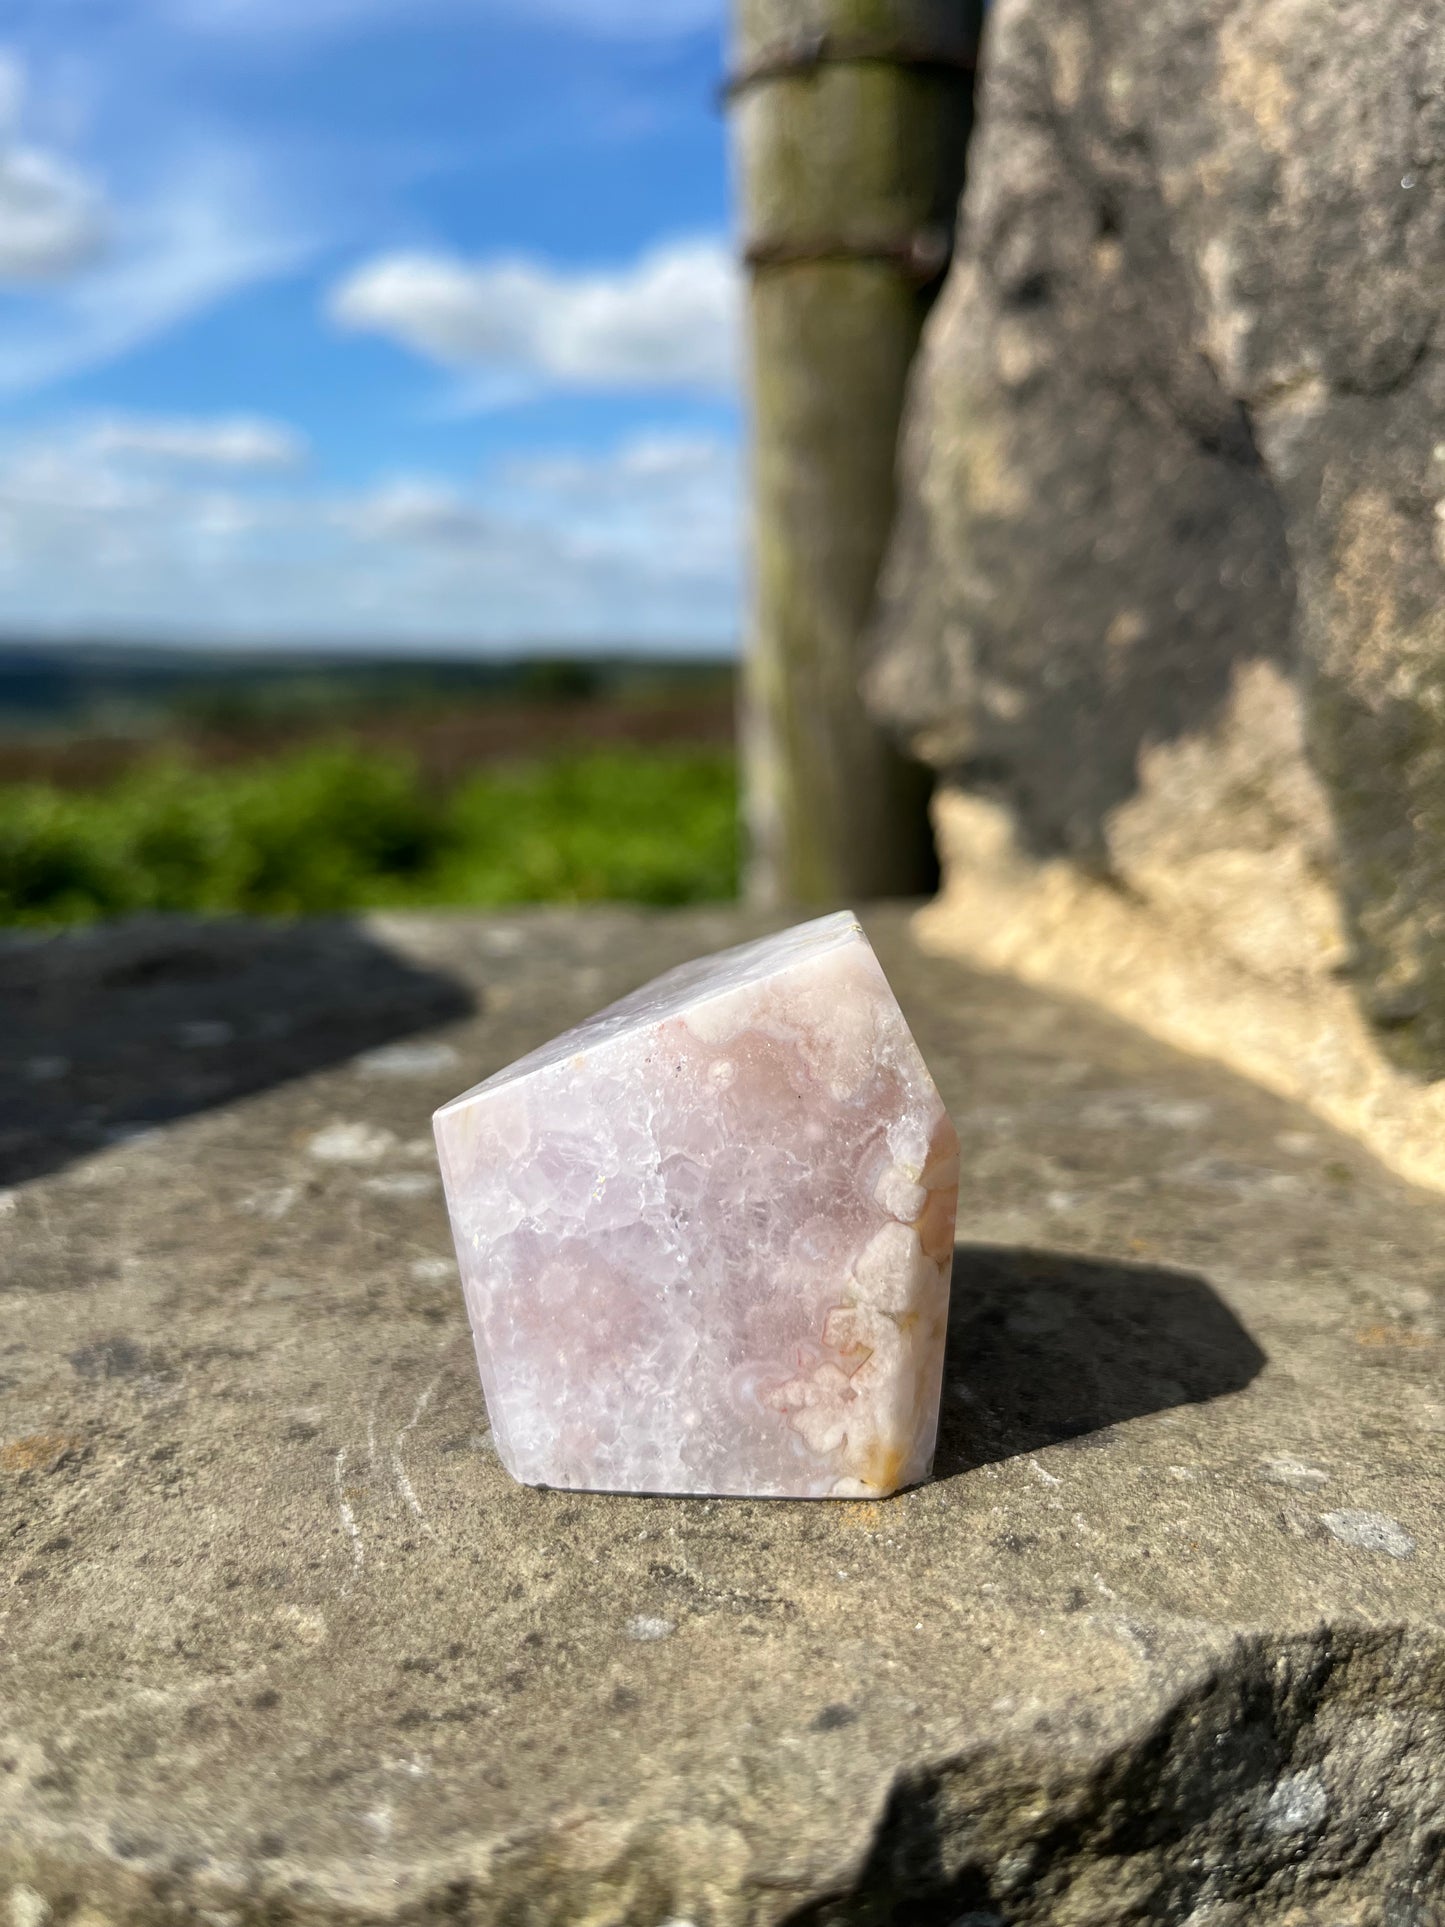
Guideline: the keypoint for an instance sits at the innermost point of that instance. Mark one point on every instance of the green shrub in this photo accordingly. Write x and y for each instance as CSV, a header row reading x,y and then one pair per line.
x,y
646,828
340,828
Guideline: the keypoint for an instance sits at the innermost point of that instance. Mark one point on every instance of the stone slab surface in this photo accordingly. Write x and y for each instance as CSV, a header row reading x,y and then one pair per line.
x,y
1165,1641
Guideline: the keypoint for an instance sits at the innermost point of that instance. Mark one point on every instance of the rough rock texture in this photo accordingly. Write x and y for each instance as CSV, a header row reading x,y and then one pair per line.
x,y
1186,374
1227,957
705,1235
1164,1641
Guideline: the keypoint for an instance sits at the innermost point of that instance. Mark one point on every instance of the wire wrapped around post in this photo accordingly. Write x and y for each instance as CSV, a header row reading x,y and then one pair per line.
x,y
813,52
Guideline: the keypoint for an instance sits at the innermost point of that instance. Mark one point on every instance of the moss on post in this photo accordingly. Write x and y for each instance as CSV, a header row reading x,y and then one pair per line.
x,y
851,133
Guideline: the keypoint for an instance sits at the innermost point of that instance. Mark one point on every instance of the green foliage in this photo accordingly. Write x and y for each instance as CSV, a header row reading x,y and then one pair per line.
x,y
342,829
644,827
560,679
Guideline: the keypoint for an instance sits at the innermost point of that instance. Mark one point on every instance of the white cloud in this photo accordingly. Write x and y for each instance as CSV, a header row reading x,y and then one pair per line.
x,y
668,459
669,503
53,218
227,441
635,544
202,231
670,320
416,510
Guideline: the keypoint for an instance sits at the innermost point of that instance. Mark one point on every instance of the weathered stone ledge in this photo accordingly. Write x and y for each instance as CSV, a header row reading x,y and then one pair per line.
x,y
1164,1641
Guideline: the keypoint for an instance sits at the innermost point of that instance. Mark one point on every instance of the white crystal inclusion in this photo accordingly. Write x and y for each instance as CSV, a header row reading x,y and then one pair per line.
x,y
705,1237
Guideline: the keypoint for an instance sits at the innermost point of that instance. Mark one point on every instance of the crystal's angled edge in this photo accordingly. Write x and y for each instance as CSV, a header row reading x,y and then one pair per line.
x,y
674,990
705,1236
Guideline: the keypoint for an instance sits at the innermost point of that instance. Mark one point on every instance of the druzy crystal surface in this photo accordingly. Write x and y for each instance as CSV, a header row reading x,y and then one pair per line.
x,y
705,1238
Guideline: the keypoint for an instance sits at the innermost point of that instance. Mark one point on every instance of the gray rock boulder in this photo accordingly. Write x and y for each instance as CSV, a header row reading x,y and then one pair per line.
x,y
1180,417
1164,1641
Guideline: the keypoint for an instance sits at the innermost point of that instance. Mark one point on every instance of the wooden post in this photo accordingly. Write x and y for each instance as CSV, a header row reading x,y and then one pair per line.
x,y
852,118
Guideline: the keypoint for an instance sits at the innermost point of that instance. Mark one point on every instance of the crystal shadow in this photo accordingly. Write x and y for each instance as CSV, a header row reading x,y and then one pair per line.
x,y
117,1028
1045,1346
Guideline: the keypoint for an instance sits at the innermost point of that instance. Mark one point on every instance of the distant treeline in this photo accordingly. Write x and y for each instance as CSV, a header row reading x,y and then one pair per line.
x,y
97,686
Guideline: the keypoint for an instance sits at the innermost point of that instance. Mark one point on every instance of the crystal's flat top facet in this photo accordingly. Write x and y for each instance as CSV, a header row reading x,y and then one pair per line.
x,y
705,1237
684,988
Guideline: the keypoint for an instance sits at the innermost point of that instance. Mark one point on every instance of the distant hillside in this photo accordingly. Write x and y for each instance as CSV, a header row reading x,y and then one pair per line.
x,y
87,687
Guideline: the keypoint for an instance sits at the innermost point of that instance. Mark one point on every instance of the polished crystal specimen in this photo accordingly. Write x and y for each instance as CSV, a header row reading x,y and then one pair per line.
x,y
705,1238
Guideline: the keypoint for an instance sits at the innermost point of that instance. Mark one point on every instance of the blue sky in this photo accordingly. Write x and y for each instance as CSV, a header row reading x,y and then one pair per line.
x,y
396,321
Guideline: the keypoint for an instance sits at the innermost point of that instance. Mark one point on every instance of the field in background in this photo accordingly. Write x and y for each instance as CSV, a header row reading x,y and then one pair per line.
x,y
282,787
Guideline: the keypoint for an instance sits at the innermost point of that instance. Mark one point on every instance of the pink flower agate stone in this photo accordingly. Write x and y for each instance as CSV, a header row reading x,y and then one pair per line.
x,y
706,1237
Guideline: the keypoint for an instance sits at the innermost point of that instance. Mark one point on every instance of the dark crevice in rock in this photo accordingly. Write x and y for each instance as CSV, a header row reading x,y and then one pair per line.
x,y
1302,1773
1397,380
